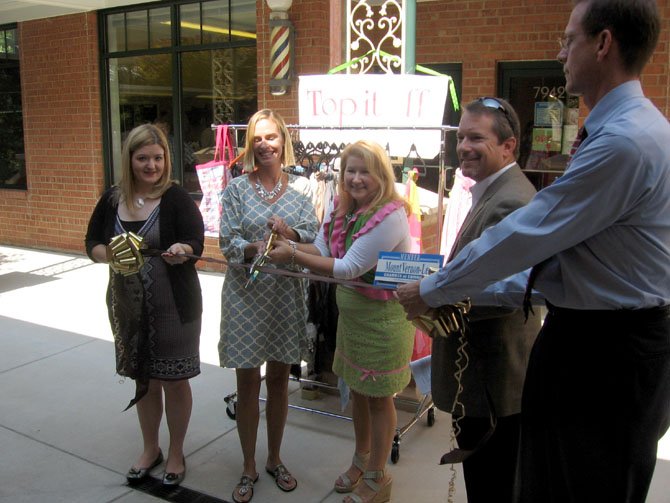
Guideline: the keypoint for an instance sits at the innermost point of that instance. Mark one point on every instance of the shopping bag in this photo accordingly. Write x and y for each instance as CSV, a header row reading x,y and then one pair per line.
x,y
214,176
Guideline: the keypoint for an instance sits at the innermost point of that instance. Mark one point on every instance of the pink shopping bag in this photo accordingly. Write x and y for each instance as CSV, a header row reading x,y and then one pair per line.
x,y
214,176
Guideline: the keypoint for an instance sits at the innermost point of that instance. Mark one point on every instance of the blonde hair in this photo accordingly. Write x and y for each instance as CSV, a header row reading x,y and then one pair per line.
x,y
378,163
141,136
249,159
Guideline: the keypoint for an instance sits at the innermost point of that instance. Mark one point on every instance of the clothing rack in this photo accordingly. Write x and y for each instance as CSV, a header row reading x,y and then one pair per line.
x,y
424,406
363,128
444,129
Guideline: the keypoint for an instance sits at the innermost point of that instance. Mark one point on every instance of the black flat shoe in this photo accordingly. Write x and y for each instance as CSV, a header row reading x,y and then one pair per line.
x,y
174,479
137,474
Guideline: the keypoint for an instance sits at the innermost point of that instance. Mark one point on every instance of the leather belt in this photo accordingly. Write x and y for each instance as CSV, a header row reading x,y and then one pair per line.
x,y
649,314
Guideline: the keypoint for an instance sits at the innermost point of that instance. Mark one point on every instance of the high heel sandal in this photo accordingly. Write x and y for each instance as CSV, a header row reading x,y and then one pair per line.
x,y
360,461
382,491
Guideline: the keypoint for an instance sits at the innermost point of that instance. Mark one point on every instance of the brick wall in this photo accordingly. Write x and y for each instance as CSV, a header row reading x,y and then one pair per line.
x,y
481,33
61,115
61,93
310,19
476,33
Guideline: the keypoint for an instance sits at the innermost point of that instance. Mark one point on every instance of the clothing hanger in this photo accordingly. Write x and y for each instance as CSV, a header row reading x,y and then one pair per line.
x,y
407,166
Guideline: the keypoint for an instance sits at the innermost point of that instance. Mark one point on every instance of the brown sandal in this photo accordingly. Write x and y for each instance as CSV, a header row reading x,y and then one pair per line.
x,y
283,478
381,490
359,461
245,486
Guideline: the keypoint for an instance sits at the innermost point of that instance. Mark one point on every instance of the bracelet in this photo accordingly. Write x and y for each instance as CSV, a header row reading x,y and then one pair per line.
x,y
294,248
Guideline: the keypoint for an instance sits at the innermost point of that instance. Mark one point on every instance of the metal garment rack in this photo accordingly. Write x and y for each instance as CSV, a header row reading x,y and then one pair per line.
x,y
442,179
424,406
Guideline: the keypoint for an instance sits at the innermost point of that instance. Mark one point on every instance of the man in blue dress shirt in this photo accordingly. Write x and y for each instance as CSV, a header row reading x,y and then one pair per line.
x,y
597,394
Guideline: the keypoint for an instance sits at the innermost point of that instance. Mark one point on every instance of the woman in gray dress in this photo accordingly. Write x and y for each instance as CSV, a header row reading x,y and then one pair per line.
x,y
263,322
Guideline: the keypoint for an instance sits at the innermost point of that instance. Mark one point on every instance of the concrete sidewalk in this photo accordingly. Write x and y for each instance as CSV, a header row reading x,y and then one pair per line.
x,y
64,437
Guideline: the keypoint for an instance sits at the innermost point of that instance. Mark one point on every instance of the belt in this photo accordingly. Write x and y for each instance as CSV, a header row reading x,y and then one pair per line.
x,y
649,314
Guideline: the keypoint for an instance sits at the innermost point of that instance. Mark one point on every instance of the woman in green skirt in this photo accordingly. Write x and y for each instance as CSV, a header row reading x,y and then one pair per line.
x,y
374,340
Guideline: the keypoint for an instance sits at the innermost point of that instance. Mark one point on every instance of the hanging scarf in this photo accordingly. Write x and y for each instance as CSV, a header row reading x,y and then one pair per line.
x,y
343,230
128,317
130,322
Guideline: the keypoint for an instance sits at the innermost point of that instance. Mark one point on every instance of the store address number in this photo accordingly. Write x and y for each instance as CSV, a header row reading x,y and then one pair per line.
x,y
544,92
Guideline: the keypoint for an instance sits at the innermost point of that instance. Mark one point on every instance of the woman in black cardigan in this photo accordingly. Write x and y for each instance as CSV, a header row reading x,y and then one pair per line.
x,y
155,313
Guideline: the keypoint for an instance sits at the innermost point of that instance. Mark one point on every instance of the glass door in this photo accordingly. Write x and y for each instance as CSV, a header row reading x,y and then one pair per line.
x,y
548,116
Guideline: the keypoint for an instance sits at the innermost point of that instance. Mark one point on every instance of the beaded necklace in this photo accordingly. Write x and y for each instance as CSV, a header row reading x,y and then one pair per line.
x,y
271,194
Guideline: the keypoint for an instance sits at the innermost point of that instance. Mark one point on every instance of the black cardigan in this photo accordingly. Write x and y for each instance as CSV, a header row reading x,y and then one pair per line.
x,y
180,222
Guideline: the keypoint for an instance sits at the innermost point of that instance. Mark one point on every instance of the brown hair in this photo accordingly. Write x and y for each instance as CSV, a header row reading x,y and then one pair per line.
x,y
634,24
505,120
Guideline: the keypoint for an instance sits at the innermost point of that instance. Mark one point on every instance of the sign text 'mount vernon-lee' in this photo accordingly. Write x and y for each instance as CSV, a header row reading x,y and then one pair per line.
x,y
399,267
421,269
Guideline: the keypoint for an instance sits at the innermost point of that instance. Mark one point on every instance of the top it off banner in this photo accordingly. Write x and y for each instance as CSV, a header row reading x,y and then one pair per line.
x,y
374,101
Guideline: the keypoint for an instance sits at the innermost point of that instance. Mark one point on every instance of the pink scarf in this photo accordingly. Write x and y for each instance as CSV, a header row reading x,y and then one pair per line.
x,y
337,239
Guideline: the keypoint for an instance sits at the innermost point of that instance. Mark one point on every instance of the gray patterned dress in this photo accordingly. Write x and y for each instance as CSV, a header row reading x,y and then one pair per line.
x,y
266,321
173,346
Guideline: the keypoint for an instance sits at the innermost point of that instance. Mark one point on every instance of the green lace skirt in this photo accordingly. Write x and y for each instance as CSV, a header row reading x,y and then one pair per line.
x,y
374,344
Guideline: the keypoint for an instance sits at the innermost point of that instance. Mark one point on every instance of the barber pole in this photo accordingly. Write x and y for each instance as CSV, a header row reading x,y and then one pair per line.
x,y
280,57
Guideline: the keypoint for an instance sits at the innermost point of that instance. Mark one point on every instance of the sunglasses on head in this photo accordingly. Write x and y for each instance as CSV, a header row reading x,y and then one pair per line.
x,y
496,105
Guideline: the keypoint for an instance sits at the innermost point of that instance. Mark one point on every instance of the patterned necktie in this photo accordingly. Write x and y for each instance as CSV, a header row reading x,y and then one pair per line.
x,y
581,135
535,270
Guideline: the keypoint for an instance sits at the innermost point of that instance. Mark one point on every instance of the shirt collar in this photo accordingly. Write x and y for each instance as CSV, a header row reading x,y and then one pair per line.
x,y
601,113
478,189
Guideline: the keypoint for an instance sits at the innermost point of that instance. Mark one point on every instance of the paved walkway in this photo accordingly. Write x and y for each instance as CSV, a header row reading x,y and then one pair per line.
x,y
64,437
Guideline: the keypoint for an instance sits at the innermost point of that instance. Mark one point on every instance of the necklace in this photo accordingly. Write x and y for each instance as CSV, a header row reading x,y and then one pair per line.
x,y
139,202
273,193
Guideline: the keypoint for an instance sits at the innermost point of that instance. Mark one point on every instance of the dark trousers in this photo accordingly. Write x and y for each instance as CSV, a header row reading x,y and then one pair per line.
x,y
489,472
595,403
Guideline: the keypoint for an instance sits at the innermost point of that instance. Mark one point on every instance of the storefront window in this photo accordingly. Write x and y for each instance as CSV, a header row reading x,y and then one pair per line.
x,y
548,116
12,157
204,73
191,25
243,23
159,28
137,30
216,22
140,90
116,32
182,77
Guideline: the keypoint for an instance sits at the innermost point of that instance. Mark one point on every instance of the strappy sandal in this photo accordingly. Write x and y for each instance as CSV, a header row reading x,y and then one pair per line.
x,y
382,492
245,486
283,478
359,461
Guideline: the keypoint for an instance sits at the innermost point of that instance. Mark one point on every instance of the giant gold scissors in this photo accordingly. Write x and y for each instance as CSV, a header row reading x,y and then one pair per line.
x,y
260,260
444,320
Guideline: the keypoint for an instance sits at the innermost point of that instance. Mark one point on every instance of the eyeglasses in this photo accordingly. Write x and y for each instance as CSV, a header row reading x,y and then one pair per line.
x,y
497,105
